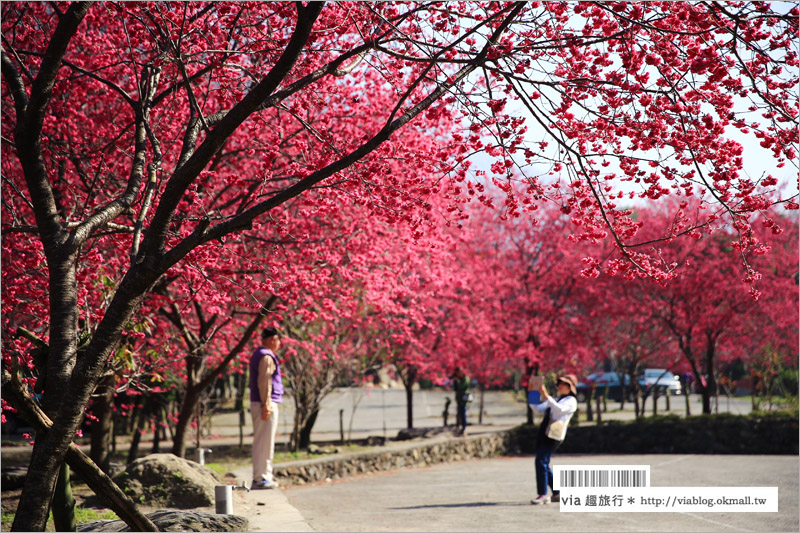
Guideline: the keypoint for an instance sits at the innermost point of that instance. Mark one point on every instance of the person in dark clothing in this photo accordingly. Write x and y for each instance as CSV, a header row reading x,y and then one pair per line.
x,y
461,386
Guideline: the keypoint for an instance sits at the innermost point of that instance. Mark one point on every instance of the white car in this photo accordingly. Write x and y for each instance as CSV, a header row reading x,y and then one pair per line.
x,y
664,379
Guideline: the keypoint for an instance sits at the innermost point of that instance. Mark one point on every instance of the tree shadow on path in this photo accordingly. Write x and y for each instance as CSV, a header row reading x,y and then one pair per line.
x,y
457,505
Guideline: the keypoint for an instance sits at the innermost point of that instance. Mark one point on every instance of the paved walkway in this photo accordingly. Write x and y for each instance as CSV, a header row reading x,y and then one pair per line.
x,y
491,495
267,510
494,495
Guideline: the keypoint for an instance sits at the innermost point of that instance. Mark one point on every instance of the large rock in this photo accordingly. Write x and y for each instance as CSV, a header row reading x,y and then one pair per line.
x,y
169,520
163,479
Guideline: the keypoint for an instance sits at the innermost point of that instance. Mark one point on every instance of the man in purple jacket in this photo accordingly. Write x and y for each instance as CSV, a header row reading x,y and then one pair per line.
x,y
266,393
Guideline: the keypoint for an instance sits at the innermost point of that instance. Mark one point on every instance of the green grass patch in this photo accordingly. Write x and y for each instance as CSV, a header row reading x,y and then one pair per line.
x,y
225,467
283,457
787,413
286,456
219,468
82,515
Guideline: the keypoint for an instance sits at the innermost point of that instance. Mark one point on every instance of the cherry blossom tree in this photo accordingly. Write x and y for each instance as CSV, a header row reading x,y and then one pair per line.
x,y
703,317
203,342
125,124
409,290
710,318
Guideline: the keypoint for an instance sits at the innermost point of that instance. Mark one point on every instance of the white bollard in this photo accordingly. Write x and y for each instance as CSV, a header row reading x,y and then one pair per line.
x,y
223,494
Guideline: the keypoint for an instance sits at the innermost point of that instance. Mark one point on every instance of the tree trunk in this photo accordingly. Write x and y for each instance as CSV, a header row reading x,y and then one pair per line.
x,y
655,400
706,400
688,405
305,430
102,408
480,411
294,439
410,405
409,377
63,506
242,419
241,381
156,428
190,400
711,384
46,459
102,485
530,370
133,452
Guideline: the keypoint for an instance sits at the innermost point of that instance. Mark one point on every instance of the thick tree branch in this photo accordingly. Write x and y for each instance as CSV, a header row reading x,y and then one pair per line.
x,y
42,87
210,376
125,200
29,129
15,83
245,219
184,175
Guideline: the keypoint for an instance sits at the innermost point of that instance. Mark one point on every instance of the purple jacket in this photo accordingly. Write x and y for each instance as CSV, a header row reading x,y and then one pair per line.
x,y
277,382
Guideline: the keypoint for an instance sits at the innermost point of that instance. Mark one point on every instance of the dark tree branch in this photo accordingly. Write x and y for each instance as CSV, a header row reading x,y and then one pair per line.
x,y
113,86
209,378
16,85
184,175
245,219
42,87
29,129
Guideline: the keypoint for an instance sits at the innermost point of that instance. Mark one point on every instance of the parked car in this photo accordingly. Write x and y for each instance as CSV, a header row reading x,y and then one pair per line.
x,y
662,378
602,381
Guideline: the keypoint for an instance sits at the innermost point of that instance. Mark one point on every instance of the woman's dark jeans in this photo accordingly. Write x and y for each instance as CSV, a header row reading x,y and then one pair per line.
x,y
544,472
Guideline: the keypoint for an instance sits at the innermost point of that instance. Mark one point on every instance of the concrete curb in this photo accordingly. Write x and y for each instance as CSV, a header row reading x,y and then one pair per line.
x,y
270,510
408,454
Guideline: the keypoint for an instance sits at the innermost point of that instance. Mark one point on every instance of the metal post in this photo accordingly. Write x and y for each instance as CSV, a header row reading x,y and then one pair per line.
x,y
223,494
201,455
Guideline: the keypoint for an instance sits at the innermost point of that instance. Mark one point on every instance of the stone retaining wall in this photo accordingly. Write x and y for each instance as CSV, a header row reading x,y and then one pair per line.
x,y
394,457
698,435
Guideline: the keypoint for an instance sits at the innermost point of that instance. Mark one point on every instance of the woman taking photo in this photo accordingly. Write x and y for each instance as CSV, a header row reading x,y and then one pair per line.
x,y
553,429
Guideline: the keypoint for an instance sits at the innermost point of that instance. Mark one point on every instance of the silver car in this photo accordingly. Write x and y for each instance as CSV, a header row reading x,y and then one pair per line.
x,y
662,378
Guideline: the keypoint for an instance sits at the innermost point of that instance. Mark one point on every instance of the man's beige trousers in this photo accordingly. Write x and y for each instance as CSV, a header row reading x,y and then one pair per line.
x,y
264,432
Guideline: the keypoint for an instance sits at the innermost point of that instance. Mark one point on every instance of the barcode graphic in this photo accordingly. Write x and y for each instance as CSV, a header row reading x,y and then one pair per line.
x,y
603,478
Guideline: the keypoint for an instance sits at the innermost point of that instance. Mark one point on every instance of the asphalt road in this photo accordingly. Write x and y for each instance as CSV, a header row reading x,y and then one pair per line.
x,y
383,411
494,495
